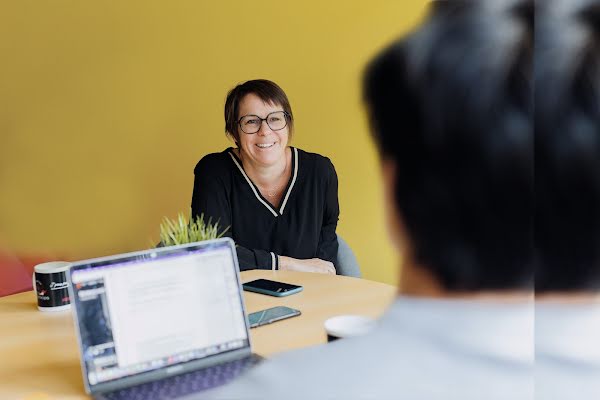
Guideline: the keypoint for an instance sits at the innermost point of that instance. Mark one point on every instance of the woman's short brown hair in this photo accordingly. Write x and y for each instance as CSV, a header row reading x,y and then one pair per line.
x,y
267,91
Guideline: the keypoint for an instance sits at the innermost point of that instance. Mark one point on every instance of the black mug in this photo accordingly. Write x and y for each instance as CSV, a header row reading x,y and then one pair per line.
x,y
51,286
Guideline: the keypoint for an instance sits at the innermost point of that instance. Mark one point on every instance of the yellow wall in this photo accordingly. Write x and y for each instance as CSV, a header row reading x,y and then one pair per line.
x,y
105,108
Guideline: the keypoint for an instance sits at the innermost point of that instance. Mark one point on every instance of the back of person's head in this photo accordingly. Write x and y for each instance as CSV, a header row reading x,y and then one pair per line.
x,y
567,148
450,106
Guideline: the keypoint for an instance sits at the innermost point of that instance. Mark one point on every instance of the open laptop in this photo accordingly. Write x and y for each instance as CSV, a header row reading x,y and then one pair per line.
x,y
160,323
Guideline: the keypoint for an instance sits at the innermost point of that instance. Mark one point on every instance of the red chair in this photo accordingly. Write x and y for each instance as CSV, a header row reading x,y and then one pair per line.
x,y
14,275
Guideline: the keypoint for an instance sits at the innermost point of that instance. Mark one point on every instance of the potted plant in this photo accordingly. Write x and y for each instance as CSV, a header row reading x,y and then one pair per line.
x,y
180,231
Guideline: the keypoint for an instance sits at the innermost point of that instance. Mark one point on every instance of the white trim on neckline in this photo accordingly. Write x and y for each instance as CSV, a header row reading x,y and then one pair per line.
x,y
287,195
289,191
252,186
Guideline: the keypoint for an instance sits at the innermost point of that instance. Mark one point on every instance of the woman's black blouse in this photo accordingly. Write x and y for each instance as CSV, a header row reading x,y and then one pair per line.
x,y
303,226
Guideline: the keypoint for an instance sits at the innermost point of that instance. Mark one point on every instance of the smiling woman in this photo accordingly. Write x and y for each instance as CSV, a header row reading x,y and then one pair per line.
x,y
281,203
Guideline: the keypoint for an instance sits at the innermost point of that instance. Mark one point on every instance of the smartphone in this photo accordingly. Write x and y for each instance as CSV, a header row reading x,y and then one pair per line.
x,y
271,315
271,288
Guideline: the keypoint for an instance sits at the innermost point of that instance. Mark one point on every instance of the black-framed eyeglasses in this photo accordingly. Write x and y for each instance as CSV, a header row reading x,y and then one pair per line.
x,y
276,120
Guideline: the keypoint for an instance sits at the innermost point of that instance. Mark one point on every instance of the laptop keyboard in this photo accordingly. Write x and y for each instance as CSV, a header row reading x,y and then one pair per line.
x,y
181,385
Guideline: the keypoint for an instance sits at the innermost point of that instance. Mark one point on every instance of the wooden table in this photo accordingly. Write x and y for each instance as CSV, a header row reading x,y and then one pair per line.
x,y
39,356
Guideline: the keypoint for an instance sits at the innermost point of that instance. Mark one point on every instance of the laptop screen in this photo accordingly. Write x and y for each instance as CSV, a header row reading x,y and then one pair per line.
x,y
144,311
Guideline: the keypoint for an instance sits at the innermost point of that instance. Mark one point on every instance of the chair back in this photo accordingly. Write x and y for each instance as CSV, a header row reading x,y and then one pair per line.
x,y
347,264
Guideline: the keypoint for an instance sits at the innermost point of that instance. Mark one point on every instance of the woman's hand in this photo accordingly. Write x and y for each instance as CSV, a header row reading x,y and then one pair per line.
x,y
307,265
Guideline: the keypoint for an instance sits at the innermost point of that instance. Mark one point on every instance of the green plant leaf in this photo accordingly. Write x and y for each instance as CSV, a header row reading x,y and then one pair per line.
x,y
180,231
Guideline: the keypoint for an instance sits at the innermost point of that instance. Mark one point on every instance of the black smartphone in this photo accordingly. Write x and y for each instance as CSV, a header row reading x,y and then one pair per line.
x,y
271,315
271,288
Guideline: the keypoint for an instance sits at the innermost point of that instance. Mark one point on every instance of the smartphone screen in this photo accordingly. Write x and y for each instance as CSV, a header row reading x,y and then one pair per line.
x,y
271,315
272,287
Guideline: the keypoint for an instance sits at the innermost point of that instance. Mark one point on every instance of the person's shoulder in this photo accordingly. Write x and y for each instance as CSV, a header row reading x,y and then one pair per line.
x,y
214,162
337,370
319,161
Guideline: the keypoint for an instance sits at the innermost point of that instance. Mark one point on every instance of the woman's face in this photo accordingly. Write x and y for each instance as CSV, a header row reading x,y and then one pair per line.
x,y
265,147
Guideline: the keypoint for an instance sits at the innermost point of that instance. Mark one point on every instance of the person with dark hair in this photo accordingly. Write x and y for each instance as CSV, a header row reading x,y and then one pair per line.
x,y
279,202
451,113
567,219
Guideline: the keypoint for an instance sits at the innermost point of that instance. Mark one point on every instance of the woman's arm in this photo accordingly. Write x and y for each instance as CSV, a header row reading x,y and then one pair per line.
x,y
210,198
327,248
306,265
328,244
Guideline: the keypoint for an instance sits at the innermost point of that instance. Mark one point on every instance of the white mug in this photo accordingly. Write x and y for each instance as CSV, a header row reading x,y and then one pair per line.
x,y
344,326
51,285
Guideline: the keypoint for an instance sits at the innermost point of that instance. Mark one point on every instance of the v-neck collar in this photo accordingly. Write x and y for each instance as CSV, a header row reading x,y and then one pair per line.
x,y
290,185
